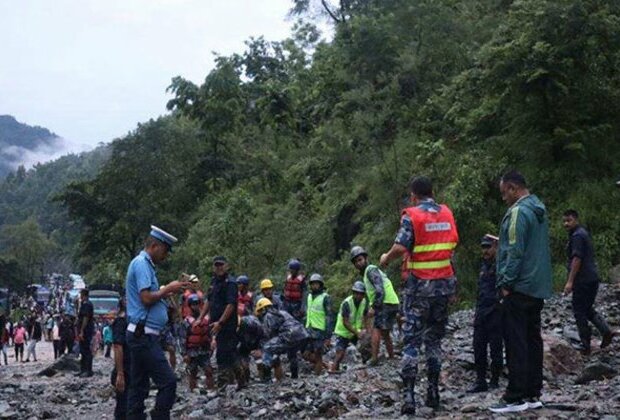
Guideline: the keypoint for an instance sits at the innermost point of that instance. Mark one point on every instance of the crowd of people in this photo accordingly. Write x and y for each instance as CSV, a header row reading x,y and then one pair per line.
x,y
238,328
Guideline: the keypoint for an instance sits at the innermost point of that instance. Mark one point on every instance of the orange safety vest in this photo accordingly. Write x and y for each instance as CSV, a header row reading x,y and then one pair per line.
x,y
292,288
435,239
198,335
242,302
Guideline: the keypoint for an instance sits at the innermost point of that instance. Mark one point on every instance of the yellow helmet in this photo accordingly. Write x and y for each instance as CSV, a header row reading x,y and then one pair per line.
x,y
262,304
266,284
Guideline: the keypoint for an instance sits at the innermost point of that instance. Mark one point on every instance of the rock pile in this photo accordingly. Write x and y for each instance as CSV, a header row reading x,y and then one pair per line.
x,y
575,386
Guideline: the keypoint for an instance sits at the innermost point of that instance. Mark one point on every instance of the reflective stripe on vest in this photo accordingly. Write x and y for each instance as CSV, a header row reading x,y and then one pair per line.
x,y
435,237
316,316
356,317
389,295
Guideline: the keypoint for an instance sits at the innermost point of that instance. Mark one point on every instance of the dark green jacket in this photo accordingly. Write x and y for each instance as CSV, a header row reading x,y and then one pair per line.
x,y
523,257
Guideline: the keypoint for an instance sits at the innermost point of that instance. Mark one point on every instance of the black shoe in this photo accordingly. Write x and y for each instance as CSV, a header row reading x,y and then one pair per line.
x,y
478,387
79,375
606,340
407,409
509,407
88,374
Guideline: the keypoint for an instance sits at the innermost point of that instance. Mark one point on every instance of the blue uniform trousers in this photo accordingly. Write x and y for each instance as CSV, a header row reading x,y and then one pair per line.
x,y
149,362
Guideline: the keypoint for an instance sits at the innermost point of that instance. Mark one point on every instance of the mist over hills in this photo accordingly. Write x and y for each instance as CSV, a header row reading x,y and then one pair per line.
x,y
23,144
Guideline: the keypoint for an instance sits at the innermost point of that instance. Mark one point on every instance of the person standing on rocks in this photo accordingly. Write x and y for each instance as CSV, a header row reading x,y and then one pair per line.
x,y
282,334
20,337
427,237
4,338
245,298
487,320
67,335
351,322
86,331
319,321
56,337
524,281
294,290
107,339
120,376
383,302
196,345
583,282
222,308
147,315
35,334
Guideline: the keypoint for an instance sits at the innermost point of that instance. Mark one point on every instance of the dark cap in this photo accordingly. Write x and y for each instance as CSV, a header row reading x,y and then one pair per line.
x,y
220,259
488,240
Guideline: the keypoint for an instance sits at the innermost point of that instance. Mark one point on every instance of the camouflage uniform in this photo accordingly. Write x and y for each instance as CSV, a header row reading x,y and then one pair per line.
x,y
284,334
425,312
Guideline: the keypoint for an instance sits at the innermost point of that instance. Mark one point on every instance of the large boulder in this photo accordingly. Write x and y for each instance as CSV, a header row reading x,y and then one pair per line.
x,y
65,363
559,357
596,371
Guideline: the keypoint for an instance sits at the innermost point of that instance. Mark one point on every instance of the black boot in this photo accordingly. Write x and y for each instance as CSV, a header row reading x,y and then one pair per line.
x,y
496,372
432,393
408,407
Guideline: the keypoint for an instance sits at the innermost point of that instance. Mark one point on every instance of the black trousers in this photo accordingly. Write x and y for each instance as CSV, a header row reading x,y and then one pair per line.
x,y
120,410
57,349
524,346
227,354
584,295
86,355
488,334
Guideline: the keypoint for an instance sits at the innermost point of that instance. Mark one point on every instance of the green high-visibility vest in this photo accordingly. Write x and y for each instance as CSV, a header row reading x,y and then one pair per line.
x,y
389,295
315,315
356,317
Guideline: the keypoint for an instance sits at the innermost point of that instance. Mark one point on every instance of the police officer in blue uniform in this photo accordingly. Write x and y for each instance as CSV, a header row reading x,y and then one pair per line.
x,y
147,315
487,320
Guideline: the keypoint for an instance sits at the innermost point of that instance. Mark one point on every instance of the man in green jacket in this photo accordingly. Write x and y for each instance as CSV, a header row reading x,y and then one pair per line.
x,y
524,280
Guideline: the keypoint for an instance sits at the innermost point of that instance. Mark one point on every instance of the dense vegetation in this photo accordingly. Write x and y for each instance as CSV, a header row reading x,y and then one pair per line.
x,y
15,136
303,147
36,234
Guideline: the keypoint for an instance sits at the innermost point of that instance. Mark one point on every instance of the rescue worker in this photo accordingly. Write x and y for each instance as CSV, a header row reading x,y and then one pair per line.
x,y
487,320
294,290
426,238
245,302
222,309
351,322
196,345
382,299
583,282
266,291
284,335
185,309
250,333
319,322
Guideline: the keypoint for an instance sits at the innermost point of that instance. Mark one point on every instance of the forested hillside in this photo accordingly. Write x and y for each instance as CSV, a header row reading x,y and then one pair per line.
x,y
36,235
16,137
302,147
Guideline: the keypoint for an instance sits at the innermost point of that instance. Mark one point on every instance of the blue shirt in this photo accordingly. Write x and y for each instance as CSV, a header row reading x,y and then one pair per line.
x,y
140,276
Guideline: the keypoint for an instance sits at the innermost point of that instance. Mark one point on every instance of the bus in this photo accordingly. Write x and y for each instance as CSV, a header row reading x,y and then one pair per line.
x,y
105,304
39,293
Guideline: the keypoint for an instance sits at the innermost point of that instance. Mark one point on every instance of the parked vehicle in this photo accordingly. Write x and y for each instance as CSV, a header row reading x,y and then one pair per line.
x,y
105,303
5,302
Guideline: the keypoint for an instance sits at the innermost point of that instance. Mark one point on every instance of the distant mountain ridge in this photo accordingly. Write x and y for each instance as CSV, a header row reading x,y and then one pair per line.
x,y
16,138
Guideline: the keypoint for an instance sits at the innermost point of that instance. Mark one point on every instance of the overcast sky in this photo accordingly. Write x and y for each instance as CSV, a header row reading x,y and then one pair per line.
x,y
90,70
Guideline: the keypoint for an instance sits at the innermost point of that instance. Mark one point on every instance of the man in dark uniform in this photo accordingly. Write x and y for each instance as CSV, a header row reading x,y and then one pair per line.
x,y
120,373
487,320
86,329
583,282
222,307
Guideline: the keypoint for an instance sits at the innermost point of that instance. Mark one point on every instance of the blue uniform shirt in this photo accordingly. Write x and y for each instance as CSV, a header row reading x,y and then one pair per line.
x,y
140,276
